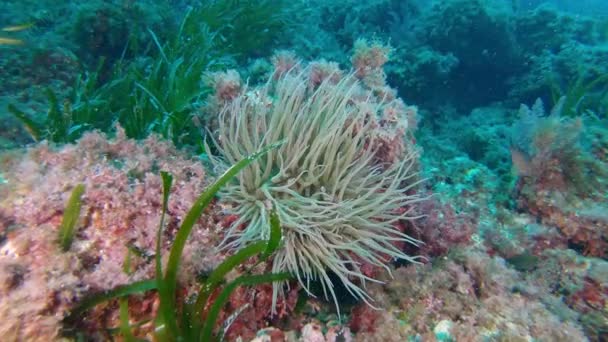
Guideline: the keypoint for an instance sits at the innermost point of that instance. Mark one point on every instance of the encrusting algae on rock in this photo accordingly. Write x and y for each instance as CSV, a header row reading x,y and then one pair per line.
x,y
120,213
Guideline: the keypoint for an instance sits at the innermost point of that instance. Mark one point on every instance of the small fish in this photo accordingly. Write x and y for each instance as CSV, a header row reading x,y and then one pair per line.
x,y
10,41
522,162
16,28
524,262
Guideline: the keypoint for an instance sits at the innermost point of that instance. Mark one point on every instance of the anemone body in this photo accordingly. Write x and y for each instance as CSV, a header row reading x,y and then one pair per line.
x,y
338,204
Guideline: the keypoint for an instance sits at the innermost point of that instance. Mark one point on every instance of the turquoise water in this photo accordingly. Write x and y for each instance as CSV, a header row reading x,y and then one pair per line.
x,y
438,170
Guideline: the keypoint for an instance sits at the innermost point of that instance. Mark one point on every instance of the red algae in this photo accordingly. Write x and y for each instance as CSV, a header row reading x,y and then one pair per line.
x,y
120,212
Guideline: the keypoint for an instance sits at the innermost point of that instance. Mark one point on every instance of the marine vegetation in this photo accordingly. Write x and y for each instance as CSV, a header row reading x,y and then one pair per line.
x,y
70,218
582,95
79,112
182,321
161,91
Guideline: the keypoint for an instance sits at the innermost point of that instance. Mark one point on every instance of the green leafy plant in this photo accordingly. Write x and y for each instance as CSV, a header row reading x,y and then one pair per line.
x,y
158,98
161,93
163,97
82,109
235,21
184,321
70,218
582,94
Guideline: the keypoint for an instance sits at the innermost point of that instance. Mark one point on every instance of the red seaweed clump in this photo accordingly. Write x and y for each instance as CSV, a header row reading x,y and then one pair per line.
x,y
562,182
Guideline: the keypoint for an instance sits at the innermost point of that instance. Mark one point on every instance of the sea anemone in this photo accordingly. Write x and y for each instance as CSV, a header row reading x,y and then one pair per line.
x,y
337,203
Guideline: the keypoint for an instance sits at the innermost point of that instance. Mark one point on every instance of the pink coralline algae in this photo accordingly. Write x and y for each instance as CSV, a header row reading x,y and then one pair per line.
x,y
116,231
368,61
441,228
477,297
